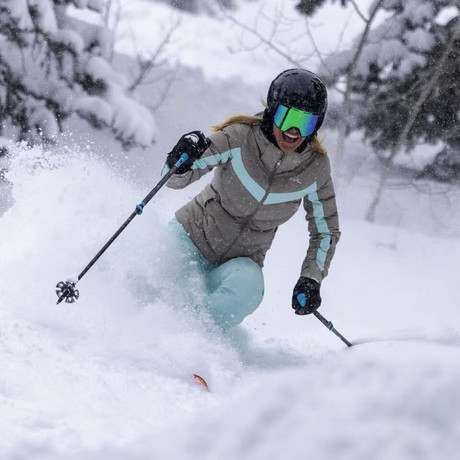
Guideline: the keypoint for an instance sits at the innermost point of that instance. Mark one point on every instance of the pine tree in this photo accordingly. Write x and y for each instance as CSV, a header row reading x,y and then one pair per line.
x,y
53,66
198,6
310,7
409,50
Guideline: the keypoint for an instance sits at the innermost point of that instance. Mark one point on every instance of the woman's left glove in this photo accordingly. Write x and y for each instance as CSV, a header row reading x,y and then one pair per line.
x,y
306,298
194,144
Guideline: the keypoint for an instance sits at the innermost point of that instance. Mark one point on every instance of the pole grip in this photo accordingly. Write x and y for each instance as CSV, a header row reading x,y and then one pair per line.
x,y
183,158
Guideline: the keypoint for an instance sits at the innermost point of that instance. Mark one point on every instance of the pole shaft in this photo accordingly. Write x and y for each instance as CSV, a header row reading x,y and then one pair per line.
x,y
106,245
331,327
152,193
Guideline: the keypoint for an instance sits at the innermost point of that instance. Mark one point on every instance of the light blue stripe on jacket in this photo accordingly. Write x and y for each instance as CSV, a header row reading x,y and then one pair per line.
x,y
275,198
213,160
250,184
323,229
216,159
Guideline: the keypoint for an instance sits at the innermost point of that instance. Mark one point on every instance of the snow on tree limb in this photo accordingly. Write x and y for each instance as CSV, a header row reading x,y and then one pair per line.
x,y
53,66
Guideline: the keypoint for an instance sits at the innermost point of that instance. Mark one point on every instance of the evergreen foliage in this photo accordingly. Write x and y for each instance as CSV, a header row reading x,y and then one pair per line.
x,y
399,59
445,167
53,66
309,7
197,6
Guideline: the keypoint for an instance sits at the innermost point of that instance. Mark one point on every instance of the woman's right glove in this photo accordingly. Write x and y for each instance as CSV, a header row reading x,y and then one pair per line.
x,y
194,144
306,298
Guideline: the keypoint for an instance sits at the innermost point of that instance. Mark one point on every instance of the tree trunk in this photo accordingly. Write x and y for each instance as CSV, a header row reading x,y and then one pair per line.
x,y
345,109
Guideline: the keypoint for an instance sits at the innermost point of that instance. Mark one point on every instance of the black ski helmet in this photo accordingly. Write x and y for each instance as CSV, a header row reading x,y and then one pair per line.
x,y
301,89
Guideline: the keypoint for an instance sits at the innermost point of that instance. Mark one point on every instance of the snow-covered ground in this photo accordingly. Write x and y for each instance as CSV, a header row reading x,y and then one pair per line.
x,y
110,376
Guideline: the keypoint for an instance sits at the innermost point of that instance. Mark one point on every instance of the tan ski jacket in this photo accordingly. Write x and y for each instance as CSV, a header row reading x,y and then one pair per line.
x,y
256,187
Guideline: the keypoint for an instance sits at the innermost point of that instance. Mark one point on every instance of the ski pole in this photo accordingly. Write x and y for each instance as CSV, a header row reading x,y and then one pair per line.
x,y
66,290
331,327
303,301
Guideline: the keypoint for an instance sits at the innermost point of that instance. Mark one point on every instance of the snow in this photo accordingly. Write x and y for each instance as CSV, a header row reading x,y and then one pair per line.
x,y
71,39
447,14
131,119
40,73
110,376
235,51
410,63
419,40
45,18
398,39
418,12
45,121
100,69
404,407
96,5
19,9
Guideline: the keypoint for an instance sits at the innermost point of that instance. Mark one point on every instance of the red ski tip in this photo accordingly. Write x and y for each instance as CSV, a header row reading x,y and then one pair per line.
x,y
200,381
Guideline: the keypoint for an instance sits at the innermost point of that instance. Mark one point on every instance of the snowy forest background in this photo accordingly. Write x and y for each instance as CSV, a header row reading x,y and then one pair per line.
x,y
93,93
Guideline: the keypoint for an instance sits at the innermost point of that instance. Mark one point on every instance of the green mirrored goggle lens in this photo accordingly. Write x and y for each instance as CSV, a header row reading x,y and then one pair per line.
x,y
290,117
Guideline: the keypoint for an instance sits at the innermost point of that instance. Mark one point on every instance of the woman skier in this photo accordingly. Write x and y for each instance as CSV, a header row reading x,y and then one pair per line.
x,y
264,166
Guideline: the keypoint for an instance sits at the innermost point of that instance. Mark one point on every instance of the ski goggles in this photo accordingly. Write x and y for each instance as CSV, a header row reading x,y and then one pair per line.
x,y
290,117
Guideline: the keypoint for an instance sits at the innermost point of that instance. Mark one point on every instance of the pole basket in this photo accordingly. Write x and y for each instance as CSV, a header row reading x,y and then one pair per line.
x,y
66,290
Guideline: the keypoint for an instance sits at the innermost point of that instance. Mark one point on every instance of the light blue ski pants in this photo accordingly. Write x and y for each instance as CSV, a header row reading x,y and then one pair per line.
x,y
234,289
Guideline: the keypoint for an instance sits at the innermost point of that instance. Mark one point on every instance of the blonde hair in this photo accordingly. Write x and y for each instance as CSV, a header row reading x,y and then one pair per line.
x,y
237,119
318,146
254,120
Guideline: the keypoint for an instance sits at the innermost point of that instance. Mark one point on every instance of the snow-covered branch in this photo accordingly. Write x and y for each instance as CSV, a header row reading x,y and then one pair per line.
x,y
53,65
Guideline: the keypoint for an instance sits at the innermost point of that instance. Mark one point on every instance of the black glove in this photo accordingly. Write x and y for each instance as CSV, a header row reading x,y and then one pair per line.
x,y
306,298
194,144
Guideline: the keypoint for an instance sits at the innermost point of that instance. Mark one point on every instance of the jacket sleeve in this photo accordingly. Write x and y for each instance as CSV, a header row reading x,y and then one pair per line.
x,y
218,153
323,226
